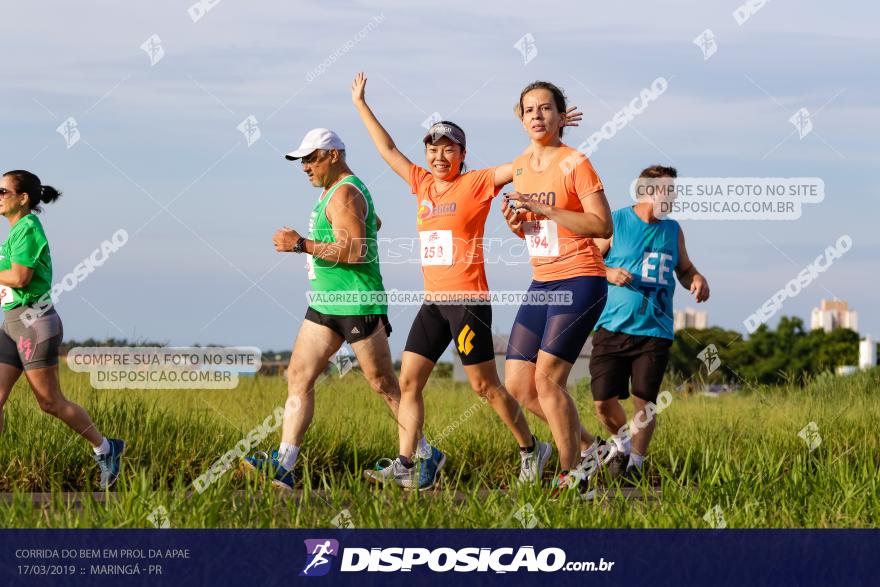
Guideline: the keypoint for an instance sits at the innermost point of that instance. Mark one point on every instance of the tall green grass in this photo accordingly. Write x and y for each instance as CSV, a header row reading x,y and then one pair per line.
x,y
740,452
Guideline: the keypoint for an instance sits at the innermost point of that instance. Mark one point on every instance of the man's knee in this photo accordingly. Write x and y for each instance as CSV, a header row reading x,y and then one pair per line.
x,y
383,383
299,376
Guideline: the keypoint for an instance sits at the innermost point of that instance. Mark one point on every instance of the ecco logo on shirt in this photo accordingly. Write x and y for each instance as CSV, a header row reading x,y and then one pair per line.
x,y
427,210
548,198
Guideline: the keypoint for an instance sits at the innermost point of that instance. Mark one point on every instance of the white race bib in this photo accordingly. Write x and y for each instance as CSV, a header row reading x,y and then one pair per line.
x,y
6,295
541,238
310,266
436,247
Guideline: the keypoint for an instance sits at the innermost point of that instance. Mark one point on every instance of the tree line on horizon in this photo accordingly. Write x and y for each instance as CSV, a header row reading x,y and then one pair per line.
x,y
788,354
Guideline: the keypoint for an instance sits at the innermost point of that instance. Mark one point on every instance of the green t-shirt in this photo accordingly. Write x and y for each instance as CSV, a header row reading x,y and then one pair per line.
x,y
26,245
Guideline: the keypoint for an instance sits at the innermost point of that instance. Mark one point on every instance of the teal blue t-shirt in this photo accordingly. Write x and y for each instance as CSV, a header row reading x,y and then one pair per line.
x,y
649,251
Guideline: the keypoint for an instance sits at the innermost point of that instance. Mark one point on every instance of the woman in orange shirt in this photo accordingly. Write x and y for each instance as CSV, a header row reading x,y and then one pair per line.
x,y
451,215
452,211
558,207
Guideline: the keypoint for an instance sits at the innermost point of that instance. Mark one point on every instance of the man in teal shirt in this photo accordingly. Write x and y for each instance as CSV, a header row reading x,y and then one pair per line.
x,y
634,334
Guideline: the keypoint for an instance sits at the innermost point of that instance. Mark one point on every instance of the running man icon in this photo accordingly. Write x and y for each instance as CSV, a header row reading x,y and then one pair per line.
x,y
318,550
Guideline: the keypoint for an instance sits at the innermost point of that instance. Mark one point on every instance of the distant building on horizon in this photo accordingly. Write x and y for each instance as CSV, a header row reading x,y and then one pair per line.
x,y
867,353
834,314
690,318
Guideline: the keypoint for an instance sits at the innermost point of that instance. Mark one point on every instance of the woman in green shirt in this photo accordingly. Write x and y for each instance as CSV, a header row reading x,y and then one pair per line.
x,y
31,332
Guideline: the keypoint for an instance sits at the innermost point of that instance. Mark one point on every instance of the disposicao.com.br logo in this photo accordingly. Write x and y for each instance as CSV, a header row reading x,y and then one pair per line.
x,y
442,560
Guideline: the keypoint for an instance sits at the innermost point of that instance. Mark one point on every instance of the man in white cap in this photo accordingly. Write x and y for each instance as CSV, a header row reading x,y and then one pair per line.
x,y
347,300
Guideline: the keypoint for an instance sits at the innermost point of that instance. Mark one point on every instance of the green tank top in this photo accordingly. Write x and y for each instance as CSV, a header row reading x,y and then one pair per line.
x,y
346,289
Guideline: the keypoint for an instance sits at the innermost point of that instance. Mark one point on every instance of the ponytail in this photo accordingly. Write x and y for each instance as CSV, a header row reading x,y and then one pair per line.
x,y
48,194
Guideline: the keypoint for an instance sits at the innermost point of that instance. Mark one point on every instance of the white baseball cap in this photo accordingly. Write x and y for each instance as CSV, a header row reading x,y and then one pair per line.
x,y
317,138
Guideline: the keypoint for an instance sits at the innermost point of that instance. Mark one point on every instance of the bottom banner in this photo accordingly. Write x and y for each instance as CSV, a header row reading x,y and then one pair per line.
x,y
267,557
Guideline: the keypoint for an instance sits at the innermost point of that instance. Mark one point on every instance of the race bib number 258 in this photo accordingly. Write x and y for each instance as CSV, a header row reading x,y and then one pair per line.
x,y
435,247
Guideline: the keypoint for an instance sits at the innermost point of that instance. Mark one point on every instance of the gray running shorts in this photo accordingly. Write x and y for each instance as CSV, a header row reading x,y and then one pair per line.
x,y
30,347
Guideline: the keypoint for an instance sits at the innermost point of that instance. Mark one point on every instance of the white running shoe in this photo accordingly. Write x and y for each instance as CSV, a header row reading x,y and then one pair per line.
x,y
594,458
532,465
388,471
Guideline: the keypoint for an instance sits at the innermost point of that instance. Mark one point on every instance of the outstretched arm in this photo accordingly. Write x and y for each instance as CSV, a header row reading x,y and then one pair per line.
x,y
383,141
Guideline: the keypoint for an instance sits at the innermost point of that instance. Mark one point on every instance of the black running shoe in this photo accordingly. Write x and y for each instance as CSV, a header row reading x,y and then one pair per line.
x,y
616,467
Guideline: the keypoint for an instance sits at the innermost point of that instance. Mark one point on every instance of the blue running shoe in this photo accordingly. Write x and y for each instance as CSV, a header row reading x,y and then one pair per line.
x,y
429,469
261,462
283,479
265,464
110,463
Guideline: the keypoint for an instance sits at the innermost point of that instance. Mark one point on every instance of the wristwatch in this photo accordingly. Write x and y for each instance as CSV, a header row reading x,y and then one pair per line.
x,y
299,247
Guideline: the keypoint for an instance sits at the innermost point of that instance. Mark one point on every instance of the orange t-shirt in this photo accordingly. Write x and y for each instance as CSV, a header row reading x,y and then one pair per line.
x,y
451,227
555,251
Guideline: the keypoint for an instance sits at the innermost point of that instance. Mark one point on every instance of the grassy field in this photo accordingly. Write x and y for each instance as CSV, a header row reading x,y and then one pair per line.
x,y
741,453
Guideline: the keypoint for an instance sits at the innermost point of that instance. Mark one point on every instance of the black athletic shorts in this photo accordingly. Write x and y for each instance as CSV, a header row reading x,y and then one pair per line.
x,y
618,358
352,328
469,326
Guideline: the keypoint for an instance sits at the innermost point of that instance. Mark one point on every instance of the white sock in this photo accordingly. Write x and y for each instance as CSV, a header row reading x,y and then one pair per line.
x,y
635,461
623,445
287,454
423,450
103,448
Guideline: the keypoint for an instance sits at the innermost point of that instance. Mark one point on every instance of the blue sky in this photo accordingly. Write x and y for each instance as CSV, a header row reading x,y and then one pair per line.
x,y
203,270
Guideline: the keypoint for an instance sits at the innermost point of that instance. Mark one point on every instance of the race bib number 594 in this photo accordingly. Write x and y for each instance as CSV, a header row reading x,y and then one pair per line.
x,y
541,238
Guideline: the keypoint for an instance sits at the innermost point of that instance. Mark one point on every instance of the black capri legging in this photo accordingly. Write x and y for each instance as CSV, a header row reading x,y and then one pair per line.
x,y
33,344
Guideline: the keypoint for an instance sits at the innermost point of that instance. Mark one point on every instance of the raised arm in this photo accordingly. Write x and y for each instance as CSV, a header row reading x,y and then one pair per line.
x,y
687,273
383,141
